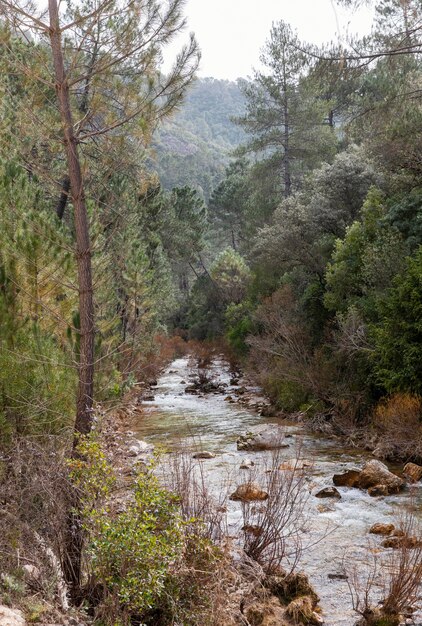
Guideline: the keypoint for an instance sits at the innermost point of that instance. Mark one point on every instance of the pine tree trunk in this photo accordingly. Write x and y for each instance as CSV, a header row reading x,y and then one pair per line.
x,y
286,139
83,246
73,539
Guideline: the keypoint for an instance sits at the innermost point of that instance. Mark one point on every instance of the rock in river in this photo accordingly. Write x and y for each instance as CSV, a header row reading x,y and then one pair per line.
x,y
348,479
253,529
139,447
406,542
413,472
204,455
375,476
328,492
376,473
381,529
378,490
269,439
249,492
295,465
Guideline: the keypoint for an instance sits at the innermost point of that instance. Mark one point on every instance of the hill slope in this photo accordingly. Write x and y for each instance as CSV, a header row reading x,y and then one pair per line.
x,y
194,146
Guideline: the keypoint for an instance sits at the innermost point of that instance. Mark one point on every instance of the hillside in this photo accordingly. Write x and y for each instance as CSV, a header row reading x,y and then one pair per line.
x,y
193,147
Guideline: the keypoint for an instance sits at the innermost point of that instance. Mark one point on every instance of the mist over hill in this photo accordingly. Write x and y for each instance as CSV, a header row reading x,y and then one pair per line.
x,y
194,146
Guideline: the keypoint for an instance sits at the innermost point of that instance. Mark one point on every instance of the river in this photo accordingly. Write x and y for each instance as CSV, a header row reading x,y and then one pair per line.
x,y
336,531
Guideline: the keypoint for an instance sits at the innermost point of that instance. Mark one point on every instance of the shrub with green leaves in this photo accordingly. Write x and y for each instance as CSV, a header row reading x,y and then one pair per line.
x,y
398,337
131,552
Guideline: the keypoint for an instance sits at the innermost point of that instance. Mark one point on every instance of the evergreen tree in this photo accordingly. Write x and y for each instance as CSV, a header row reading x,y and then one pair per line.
x,y
284,121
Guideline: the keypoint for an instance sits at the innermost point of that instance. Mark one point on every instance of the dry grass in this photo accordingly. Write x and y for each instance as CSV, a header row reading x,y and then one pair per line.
x,y
398,423
35,491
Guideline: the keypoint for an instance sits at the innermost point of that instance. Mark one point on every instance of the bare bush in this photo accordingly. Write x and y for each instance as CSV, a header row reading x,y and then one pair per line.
x,y
273,529
402,587
328,379
35,502
200,362
185,477
397,421
395,579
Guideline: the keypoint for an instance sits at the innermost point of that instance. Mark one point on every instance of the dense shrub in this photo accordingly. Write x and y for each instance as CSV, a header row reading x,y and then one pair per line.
x,y
147,561
398,337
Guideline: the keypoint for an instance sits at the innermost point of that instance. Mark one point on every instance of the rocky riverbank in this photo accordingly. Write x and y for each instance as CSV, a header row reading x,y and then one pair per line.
x,y
233,416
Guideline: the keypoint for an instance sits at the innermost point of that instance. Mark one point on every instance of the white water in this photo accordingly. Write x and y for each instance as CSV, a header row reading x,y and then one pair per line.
x,y
339,536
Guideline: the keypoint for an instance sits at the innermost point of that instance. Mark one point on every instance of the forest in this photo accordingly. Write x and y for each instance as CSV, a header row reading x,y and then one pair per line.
x,y
267,230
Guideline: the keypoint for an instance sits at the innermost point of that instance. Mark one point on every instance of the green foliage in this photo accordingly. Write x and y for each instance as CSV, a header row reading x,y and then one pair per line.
x,y
90,472
284,122
238,325
304,226
133,553
205,311
228,206
398,336
405,214
36,388
36,377
365,261
288,396
147,560
231,275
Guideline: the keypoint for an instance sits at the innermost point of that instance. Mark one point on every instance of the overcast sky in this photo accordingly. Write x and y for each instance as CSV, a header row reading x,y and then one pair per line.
x,y
231,32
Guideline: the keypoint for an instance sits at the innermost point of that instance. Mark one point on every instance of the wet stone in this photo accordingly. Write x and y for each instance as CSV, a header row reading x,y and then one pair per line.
x,y
328,492
204,455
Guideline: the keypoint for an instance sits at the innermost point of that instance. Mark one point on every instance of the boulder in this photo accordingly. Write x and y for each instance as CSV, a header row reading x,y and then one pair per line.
x,y
269,439
325,508
413,472
268,410
381,529
376,474
249,492
149,397
328,492
402,542
11,617
204,455
347,479
140,447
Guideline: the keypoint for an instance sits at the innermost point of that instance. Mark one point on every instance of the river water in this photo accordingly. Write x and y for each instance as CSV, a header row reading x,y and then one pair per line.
x,y
335,534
